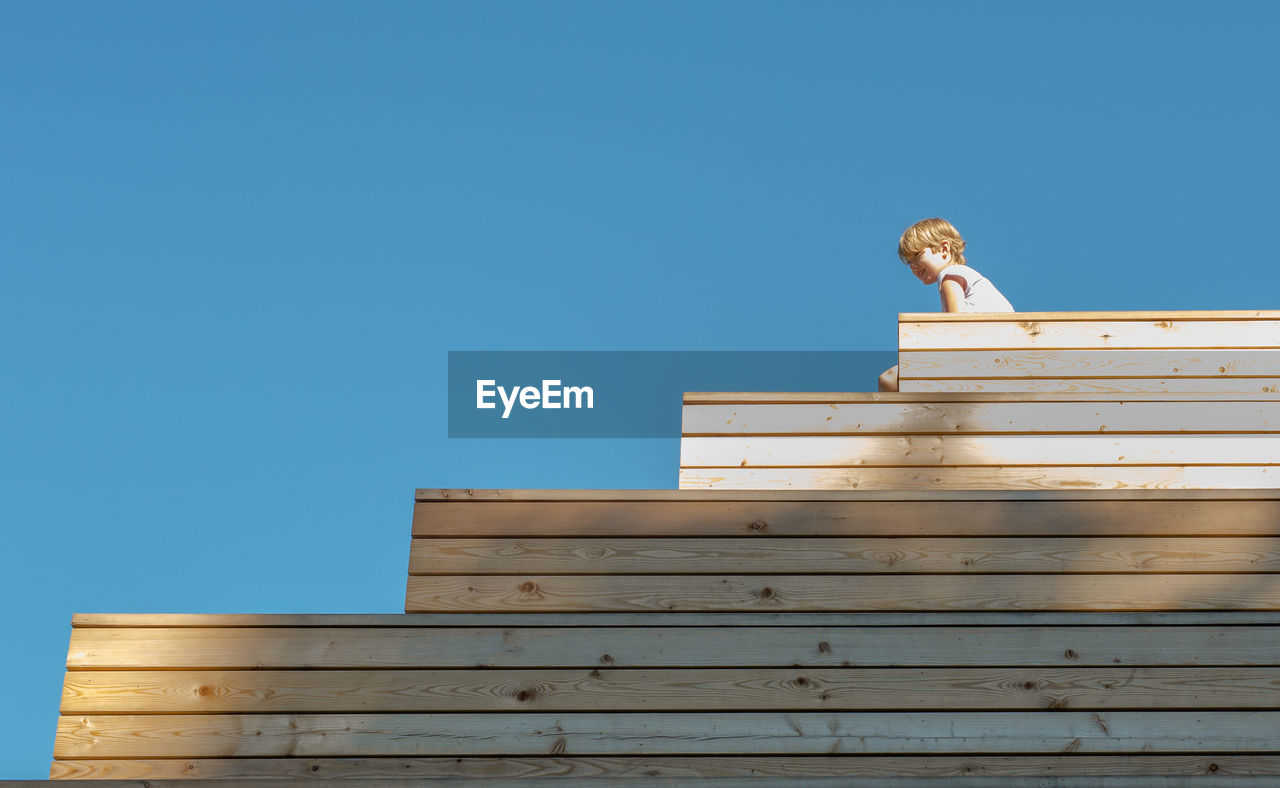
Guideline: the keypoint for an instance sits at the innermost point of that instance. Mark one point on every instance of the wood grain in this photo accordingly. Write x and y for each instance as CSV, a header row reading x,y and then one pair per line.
x,y
980,417
613,689
1021,363
1044,477
1220,767
947,451
1067,513
1085,335
739,555
1097,388
801,593
901,645
822,733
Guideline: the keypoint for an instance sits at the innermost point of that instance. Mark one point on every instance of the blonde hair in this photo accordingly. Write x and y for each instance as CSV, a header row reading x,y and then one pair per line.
x,y
929,234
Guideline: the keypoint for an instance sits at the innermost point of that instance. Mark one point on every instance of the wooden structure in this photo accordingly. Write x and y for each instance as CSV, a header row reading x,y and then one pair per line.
x,y
1041,400
1106,353
700,633
1038,632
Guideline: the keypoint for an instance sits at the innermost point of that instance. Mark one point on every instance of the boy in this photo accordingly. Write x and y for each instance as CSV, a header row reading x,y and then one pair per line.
x,y
934,250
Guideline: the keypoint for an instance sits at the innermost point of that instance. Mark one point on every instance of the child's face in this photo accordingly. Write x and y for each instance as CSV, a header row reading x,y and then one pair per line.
x,y
928,264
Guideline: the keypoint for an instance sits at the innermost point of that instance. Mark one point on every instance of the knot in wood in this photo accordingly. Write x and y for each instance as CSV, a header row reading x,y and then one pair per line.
x,y
1213,767
824,647
802,682
757,525
1028,685
766,593
204,691
528,587
524,695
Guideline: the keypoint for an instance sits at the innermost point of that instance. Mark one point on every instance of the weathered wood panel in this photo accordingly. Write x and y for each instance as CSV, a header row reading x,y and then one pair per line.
x,y
1086,335
892,418
1099,388
613,689
319,735
900,645
1219,767
574,593
1204,512
1043,477
898,555
1019,363
972,450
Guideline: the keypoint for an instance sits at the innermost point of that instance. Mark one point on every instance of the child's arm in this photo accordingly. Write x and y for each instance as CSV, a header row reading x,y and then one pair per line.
x,y
952,296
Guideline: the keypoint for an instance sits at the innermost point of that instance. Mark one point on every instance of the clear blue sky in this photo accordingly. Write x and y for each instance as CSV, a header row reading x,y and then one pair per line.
x,y
238,239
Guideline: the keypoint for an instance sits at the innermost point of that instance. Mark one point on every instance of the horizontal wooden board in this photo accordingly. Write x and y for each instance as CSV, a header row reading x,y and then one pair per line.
x,y
909,397
1094,334
613,689
456,495
820,733
585,593
1213,515
251,621
1036,643
895,555
770,451
1147,315
1097,388
980,417
1171,363
1222,768
1070,477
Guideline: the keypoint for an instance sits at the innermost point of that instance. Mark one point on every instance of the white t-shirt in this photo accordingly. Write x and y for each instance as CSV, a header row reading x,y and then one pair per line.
x,y
979,294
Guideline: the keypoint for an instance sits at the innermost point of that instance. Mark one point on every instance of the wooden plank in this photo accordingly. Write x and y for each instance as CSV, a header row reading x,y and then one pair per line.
x,y
500,620
1218,767
1109,388
1071,477
865,555
1095,334
793,451
1020,363
690,496
980,417
816,593
726,689
1213,515
909,397
318,735
675,646
1020,317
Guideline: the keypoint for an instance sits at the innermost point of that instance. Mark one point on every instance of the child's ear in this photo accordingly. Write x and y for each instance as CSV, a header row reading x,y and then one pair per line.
x,y
944,249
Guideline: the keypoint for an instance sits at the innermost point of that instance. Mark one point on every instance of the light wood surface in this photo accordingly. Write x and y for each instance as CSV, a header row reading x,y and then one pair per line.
x,y
460,734
1044,477
899,644
908,397
1220,768
1020,363
1022,317
980,418
735,555
614,689
948,451
1086,335
934,513
1098,388
588,593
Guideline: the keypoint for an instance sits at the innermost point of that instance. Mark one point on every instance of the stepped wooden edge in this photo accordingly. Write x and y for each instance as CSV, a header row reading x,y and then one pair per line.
x,y
1022,317
425,495
911,397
